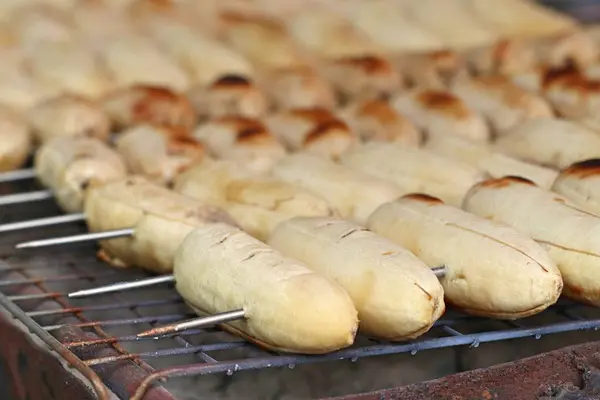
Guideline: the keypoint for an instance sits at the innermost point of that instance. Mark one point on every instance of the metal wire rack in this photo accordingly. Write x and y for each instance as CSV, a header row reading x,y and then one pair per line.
x,y
97,335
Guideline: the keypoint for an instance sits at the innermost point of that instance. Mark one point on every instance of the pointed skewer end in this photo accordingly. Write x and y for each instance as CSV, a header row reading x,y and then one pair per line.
x,y
201,322
160,331
121,286
75,295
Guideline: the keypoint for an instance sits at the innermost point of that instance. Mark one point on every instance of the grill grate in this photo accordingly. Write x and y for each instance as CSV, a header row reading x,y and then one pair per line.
x,y
100,331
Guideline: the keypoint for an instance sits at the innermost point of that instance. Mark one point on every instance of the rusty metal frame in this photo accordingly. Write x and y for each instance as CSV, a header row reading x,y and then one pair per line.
x,y
93,379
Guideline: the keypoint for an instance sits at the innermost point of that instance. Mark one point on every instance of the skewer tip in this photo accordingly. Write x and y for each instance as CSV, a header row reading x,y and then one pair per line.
x,y
121,286
160,331
79,293
195,323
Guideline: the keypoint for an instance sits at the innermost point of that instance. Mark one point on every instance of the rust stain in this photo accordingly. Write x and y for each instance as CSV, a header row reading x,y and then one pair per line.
x,y
84,343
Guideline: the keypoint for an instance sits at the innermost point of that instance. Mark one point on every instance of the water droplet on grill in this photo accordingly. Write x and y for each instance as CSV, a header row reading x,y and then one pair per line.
x,y
413,352
236,368
292,366
354,359
475,344
229,372
538,336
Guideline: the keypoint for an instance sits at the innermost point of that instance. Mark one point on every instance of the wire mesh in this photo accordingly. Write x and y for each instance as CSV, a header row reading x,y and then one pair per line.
x,y
101,330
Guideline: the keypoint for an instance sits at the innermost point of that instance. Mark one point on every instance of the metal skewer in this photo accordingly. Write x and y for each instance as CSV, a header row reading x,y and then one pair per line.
x,y
217,318
20,174
85,237
18,198
195,323
119,286
140,283
40,222
440,271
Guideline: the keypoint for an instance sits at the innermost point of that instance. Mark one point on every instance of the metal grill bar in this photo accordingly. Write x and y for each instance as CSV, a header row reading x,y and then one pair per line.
x,y
473,340
170,352
72,277
19,198
130,321
124,339
27,173
105,307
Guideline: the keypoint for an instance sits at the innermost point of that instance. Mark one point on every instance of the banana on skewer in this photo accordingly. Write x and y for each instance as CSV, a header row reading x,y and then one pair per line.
x,y
396,294
489,160
314,130
377,120
68,115
440,111
501,102
15,138
441,234
159,153
550,142
301,312
579,184
258,203
568,234
229,95
299,87
140,104
69,166
414,170
353,194
245,141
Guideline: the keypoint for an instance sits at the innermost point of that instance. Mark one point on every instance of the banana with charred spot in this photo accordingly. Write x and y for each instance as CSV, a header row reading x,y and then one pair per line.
x,y
580,184
491,270
571,236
